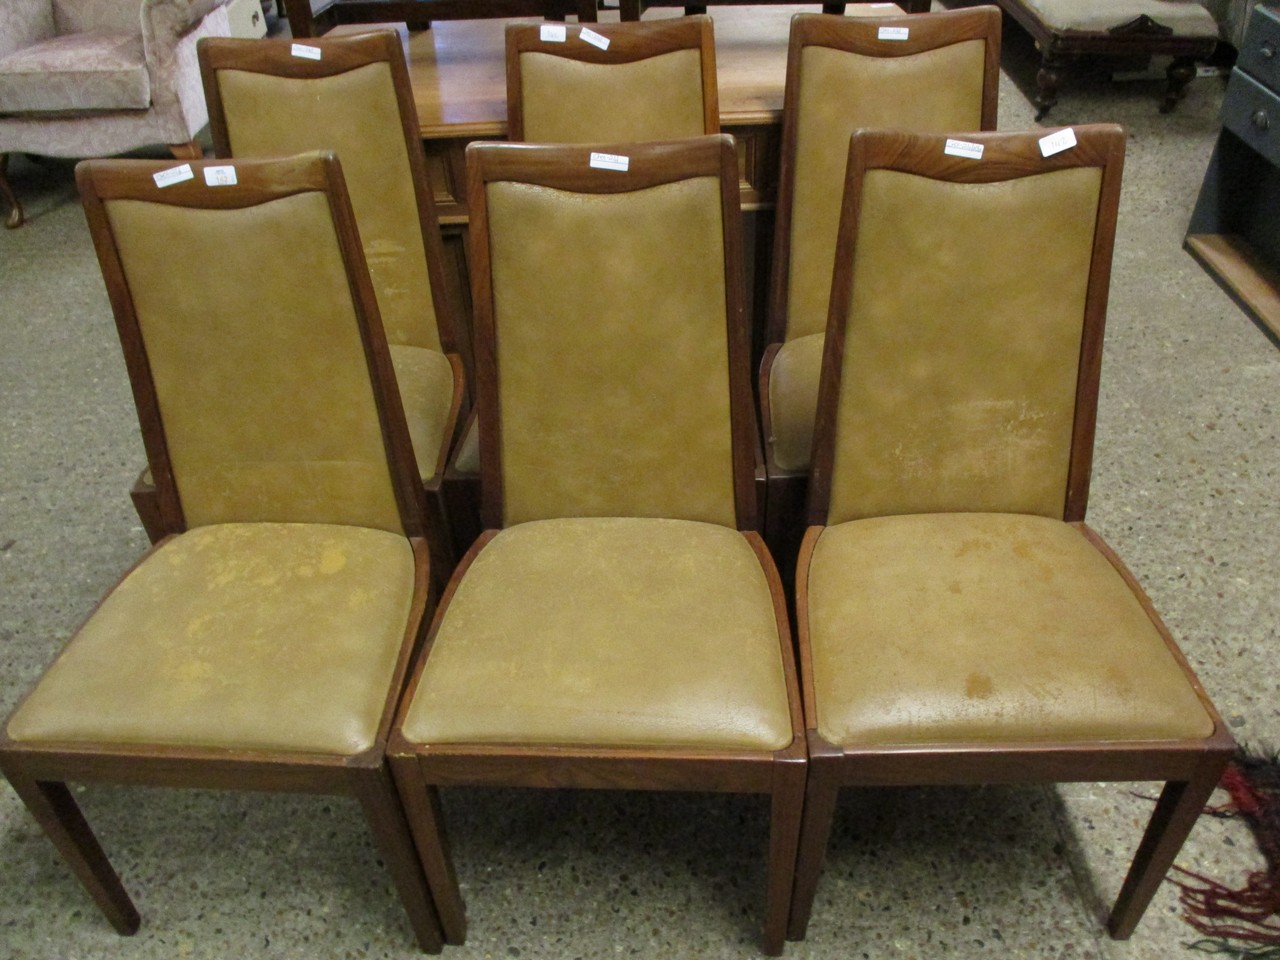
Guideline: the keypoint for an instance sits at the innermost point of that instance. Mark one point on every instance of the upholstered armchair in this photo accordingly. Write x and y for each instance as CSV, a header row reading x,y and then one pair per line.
x,y
92,78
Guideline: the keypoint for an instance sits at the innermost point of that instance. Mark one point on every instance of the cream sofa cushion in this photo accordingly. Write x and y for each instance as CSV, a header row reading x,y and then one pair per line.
x,y
77,71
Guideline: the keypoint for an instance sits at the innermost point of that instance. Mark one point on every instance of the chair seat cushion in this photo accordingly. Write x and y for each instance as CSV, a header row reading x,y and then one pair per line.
x,y
263,636
425,379
793,400
944,628
607,632
1184,17
77,71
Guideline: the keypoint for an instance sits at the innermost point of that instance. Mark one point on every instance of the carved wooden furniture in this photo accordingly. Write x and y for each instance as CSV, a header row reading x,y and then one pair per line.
x,y
84,79
354,98
619,624
936,71
958,622
310,18
633,9
263,643
1233,229
1068,30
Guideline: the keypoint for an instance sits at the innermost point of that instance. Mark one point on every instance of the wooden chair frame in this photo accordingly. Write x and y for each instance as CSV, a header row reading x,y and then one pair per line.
x,y
341,55
929,31
628,43
1190,768
419,769
39,772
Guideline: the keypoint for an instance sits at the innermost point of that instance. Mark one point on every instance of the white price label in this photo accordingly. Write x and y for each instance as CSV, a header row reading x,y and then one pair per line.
x,y
595,39
306,51
220,176
893,33
963,148
610,161
167,178
552,33
1064,139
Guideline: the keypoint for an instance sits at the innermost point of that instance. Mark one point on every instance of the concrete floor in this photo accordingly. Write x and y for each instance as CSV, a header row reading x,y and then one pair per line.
x,y
1185,488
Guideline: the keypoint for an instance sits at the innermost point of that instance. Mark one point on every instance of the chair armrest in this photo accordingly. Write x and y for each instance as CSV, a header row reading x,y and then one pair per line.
x,y
165,21
23,23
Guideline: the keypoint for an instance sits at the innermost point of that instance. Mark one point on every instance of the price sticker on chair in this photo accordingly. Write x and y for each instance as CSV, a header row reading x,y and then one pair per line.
x,y
220,176
167,178
306,51
1064,139
893,33
593,38
610,161
552,33
963,148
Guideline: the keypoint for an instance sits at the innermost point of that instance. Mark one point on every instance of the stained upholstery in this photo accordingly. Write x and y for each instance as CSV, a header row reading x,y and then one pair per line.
x,y
959,393
570,101
300,439
76,72
425,381
256,636
638,424
610,632
355,115
973,627
793,399
1184,17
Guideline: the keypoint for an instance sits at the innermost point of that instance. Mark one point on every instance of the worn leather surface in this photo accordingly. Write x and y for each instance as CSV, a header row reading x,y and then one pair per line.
x,y
793,399
259,370
975,627
425,379
612,353
840,92
241,636
570,101
959,393
610,632
355,115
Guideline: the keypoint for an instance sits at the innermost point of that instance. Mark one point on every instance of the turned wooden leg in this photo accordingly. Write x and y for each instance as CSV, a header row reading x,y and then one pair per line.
x,y
16,218
787,803
191,150
815,830
58,814
1048,79
1177,810
629,9
422,809
391,834
1180,73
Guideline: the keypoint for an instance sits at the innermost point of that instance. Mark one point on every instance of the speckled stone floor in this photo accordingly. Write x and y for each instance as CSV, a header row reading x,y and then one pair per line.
x,y
1186,484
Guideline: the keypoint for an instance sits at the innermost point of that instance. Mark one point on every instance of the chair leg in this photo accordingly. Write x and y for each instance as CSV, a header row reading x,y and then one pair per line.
x,y
1179,73
422,808
786,802
815,830
58,814
1176,812
16,217
381,805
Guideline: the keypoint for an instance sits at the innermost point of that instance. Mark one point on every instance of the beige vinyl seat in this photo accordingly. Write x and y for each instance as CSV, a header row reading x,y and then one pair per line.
x,y
262,643
925,72
354,98
958,622
656,80
619,624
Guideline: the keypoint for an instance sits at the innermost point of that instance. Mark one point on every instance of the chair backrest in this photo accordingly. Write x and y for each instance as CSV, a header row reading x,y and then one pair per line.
x,y
351,95
655,80
259,368
925,72
961,361
612,367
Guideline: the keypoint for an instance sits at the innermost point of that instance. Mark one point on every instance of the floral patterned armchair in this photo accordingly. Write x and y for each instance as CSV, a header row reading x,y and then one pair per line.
x,y
86,78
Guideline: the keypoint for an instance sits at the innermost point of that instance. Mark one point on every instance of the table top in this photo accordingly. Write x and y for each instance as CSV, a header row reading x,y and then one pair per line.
x,y
459,79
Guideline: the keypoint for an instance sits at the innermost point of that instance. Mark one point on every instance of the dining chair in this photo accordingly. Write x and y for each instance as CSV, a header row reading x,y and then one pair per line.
x,y
958,622
263,642
923,72
619,624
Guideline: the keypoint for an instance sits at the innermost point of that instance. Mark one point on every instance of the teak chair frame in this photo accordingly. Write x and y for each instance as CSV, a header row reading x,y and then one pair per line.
x,y
856,35
39,772
628,43
341,55
420,768
1190,768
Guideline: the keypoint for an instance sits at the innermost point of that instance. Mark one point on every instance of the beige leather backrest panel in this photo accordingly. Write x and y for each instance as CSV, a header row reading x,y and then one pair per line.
x,y
569,101
355,115
613,383
297,438
963,345
937,90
